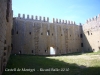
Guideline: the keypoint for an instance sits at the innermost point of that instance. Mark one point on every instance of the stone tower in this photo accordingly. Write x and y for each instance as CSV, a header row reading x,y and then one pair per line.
x,y
5,32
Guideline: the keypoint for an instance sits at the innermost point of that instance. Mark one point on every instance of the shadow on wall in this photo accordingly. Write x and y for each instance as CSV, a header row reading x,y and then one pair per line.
x,y
86,47
38,64
12,33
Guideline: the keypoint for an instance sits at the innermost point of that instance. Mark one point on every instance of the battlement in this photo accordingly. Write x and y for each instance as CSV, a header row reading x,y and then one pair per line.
x,y
44,19
63,21
33,18
95,18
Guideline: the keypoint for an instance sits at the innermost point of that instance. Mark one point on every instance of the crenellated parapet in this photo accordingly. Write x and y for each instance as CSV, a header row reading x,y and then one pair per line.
x,y
68,22
63,21
59,20
47,19
92,24
74,22
36,17
23,15
95,18
32,17
40,18
44,19
56,20
80,24
27,16
19,16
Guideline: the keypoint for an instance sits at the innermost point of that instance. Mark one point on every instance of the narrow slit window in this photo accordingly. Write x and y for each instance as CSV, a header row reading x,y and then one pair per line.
x,y
30,33
45,51
4,48
81,44
4,54
20,52
4,60
81,36
5,42
99,48
88,32
48,32
12,46
12,31
41,33
17,32
32,51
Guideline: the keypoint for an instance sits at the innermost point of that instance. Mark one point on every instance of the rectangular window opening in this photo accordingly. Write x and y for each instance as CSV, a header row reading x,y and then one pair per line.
x,y
4,60
4,48
88,33
4,54
12,31
45,51
17,32
5,42
20,52
30,33
32,51
12,46
41,33
99,48
81,36
48,32
81,44
91,33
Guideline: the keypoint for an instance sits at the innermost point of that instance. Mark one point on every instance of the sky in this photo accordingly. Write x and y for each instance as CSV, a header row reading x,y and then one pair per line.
x,y
74,10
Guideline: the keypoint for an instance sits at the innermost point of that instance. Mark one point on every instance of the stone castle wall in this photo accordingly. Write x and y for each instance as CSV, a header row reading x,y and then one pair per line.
x,y
5,32
91,30
36,36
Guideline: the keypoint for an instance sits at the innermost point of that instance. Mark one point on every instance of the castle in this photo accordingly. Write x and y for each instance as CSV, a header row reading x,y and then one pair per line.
x,y
37,36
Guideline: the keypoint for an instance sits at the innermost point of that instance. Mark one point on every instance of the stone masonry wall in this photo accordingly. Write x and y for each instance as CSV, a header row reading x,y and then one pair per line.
x,y
91,30
36,36
5,32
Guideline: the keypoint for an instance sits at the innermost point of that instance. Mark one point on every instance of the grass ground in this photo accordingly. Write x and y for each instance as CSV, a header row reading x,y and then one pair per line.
x,y
70,64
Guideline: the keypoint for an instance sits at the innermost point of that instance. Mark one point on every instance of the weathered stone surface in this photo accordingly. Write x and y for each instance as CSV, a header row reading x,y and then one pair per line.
x,y
5,31
91,31
36,37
